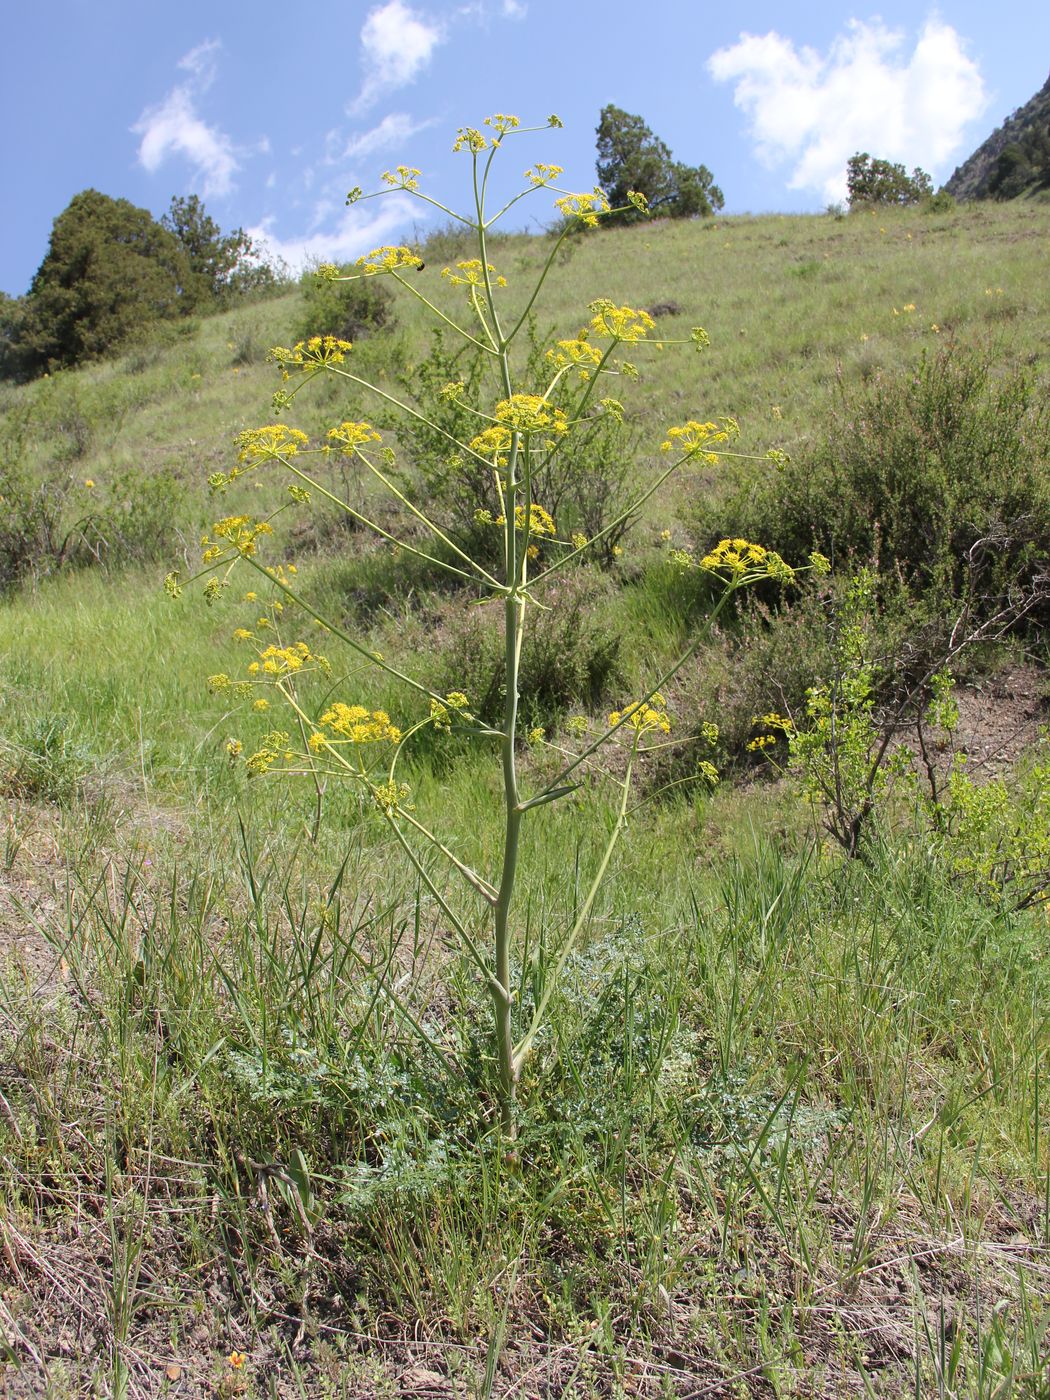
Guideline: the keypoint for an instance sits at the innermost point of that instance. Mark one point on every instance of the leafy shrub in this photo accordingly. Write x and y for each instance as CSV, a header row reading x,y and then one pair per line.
x,y
996,835
871,181
139,520
766,662
348,310
938,475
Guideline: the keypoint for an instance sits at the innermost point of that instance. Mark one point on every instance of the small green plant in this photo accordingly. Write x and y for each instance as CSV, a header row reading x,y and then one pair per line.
x,y
46,763
514,444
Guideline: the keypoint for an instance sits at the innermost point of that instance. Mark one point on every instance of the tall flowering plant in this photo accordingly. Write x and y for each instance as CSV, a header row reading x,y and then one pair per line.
x,y
518,440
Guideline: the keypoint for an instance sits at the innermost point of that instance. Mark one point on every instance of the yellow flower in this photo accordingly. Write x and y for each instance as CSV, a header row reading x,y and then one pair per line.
x,y
540,174
529,413
741,559
241,531
355,725
502,123
695,440
274,441
389,258
471,138
405,177
585,207
493,443
623,323
312,354
89,484
578,352
236,1359
473,274
351,436
644,716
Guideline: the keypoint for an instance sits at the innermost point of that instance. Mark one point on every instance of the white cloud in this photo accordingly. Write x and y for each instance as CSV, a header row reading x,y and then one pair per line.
x,y
395,128
174,127
514,9
866,94
355,234
396,45
202,62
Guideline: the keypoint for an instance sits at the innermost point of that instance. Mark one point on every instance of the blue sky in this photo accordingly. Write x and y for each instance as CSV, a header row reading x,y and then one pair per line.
x,y
272,112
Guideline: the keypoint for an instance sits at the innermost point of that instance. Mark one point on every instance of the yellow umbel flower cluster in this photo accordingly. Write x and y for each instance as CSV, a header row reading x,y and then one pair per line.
x,y
441,715
273,748
645,716
312,354
579,352
540,174
493,444
239,531
405,177
539,520
771,721
471,138
502,123
695,440
274,441
278,661
472,274
388,259
351,436
740,558
585,207
353,724
623,323
530,413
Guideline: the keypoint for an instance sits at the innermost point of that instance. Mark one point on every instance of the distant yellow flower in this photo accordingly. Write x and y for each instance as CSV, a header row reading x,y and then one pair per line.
x,y
237,1359
89,484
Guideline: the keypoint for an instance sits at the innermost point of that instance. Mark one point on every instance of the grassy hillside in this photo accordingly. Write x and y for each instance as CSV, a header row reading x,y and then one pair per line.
x,y
786,1128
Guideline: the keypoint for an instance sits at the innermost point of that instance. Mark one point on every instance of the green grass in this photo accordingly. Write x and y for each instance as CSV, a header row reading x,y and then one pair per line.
x,y
786,1131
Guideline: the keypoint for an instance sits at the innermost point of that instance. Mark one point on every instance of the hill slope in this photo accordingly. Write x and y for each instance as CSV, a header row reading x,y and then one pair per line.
x,y
1014,160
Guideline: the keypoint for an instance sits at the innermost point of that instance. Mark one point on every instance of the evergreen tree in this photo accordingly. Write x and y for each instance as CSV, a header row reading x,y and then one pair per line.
x,y
630,158
110,269
222,266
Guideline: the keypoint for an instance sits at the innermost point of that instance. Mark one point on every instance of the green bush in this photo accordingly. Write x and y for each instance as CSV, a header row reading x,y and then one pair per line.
x,y
939,476
349,310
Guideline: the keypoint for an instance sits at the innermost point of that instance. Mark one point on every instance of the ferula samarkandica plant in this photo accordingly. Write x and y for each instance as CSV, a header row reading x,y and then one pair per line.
x,y
518,440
